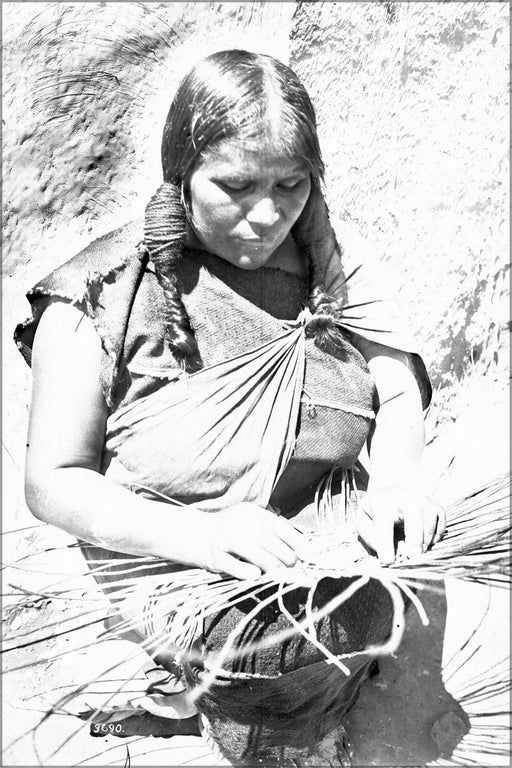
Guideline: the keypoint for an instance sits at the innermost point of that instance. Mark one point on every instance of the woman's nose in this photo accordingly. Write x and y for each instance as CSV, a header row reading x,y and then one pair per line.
x,y
263,213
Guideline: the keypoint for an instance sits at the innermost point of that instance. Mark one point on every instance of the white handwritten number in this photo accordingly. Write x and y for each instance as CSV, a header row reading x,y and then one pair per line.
x,y
107,728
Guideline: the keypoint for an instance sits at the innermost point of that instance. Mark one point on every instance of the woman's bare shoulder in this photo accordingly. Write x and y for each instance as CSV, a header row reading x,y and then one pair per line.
x,y
63,320
67,349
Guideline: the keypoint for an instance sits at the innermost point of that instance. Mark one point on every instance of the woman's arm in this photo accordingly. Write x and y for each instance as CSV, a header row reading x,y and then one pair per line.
x,y
64,487
395,490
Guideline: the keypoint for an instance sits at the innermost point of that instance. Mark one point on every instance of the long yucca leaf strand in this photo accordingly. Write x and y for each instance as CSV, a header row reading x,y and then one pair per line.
x,y
476,546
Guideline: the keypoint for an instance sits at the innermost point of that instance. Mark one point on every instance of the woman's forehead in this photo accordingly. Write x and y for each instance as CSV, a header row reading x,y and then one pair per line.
x,y
250,156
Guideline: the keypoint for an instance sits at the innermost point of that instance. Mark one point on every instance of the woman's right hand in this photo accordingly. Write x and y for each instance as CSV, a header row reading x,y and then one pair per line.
x,y
245,540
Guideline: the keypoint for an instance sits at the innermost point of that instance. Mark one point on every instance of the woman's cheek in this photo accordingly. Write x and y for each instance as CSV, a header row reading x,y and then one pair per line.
x,y
215,224
298,200
296,206
210,213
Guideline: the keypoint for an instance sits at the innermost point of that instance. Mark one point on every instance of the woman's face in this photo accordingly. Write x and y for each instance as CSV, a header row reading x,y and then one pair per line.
x,y
244,202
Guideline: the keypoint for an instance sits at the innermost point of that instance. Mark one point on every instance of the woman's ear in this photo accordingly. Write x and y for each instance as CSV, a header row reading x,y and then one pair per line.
x,y
186,199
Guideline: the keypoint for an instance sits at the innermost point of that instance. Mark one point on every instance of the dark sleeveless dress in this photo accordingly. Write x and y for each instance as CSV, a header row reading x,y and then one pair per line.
x,y
165,435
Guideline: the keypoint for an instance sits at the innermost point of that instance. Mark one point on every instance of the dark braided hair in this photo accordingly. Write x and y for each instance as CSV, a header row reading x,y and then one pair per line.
x,y
323,327
250,97
165,229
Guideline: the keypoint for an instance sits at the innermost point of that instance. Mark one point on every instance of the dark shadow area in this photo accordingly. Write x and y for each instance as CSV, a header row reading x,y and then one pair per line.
x,y
391,723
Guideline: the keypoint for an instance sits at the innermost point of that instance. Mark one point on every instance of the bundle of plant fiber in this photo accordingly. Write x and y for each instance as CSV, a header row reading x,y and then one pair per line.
x,y
301,605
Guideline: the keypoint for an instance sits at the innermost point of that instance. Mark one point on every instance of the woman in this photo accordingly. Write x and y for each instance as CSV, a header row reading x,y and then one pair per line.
x,y
236,244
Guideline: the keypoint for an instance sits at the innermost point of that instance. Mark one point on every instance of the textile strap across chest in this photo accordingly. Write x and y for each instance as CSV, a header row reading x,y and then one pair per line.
x,y
240,414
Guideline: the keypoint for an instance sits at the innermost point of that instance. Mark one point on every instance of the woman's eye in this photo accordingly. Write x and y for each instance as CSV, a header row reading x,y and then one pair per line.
x,y
289,187
233,186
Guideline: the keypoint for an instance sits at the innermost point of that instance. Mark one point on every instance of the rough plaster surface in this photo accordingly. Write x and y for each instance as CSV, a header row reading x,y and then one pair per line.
x,y
412,102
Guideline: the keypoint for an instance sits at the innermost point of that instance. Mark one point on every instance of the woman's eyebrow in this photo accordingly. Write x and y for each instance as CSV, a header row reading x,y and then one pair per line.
x,y
231,176
287,173
295,173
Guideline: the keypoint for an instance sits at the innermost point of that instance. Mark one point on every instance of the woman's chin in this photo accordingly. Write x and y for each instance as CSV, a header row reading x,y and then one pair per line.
x,y
251,262
254,258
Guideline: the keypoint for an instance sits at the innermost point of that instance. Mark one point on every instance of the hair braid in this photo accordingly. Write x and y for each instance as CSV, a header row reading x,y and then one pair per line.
x,y
311,234
164,235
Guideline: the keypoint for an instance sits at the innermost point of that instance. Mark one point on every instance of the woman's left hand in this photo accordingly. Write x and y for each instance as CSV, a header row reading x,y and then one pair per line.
x,y
382,508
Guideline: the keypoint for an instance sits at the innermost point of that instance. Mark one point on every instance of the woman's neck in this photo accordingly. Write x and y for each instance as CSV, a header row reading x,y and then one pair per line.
x,y
289,258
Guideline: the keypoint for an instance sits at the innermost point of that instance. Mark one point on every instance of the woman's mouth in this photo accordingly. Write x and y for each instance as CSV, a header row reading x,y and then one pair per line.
x,y
256,241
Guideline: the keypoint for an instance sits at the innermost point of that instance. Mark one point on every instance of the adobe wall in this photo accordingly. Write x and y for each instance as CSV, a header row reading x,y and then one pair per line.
x,y
412,102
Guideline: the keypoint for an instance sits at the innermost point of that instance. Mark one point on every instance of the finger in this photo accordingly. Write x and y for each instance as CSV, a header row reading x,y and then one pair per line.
x,y
429,519
379,527
413,528
258,555
275,546
384,525
293,538
365,528
232,566
433,521
441,523
377,531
